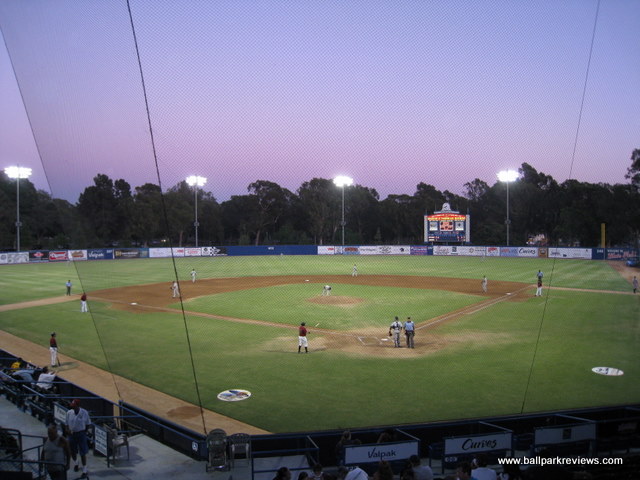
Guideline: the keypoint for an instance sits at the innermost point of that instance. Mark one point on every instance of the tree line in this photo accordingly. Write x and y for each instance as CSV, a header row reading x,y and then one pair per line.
x,y
111,213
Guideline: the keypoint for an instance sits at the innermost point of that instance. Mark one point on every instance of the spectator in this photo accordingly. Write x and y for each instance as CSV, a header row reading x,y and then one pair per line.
x,y
355,473
463,472
283,473
23,376
56,452
480,470
317,473
9,444
45,380
384,471
510,472
77,423
17,365
387,436
303,476
420,472
343,442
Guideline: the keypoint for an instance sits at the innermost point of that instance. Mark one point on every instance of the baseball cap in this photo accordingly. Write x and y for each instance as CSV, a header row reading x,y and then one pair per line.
x,y
53,334
302,323
75,403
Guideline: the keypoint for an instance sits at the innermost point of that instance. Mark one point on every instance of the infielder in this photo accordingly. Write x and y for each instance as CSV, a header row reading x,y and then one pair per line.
x,y
354,272
193,275
326,291
302,338
394,331
485,282
175,290
539,289
53,349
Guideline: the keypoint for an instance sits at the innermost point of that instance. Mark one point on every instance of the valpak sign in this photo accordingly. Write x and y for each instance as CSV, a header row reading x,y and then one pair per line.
x,y
477,443
360,454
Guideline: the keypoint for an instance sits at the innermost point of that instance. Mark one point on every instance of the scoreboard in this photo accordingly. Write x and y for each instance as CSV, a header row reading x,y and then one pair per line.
x,y
447,226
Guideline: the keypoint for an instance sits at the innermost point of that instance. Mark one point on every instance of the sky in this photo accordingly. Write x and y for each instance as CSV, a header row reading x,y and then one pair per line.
x,y
391,93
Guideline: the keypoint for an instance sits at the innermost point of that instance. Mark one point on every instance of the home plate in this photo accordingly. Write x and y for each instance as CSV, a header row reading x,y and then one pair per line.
x,y
133,303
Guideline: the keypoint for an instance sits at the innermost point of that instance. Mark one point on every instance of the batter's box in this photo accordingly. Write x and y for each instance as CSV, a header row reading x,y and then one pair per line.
x,y
369,341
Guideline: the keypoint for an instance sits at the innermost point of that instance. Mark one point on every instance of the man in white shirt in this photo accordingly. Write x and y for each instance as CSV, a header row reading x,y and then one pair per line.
x,y
77,422
480,471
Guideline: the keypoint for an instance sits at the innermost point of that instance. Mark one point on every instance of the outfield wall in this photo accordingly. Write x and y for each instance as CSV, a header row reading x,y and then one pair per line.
x,y
78,255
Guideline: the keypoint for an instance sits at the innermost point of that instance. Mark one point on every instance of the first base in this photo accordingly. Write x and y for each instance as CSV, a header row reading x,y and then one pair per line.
x,y
134,303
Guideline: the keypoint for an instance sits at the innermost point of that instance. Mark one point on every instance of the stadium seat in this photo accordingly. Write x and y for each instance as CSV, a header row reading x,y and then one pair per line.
x,y
240,443
217,446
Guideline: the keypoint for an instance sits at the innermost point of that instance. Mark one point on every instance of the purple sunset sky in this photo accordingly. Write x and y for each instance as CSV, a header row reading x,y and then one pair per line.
x,y
390,93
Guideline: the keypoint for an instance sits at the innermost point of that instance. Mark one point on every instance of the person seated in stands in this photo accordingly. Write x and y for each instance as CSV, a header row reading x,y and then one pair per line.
x,y
480,471
384,471
463,472
45,379
317,473
343,442
387,436
420,472
283,473
17,365
23,376
8,444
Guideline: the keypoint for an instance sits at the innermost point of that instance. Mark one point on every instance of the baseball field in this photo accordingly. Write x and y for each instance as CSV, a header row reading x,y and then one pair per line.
x,y
477,354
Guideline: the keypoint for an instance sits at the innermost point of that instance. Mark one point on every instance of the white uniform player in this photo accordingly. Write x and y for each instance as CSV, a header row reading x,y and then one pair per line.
x,y
193,275
326,291
394,330
354,272
485,283
175,290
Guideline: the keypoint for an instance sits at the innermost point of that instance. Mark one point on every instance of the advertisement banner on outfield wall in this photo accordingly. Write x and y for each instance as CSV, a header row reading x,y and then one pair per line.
x,y
159,252
492,251
100,254
443,250
421,250
471,251
326,250
518,251
39,256
395,249
58,256
77,255
351,250
619,253
177,251
579,253
214,251
542,252
192,252
14,257
125,253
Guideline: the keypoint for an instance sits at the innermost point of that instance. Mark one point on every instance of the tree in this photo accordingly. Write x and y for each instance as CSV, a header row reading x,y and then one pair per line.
x,y
272,202
633,172
321,201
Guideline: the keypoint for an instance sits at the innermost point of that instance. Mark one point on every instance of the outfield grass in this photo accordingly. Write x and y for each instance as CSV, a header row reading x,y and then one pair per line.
x,y
514,357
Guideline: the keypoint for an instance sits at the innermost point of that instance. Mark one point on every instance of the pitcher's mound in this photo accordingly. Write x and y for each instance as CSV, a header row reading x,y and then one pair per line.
x,y
336,300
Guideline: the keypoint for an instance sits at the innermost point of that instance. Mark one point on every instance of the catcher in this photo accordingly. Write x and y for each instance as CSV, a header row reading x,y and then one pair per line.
x,y
394,331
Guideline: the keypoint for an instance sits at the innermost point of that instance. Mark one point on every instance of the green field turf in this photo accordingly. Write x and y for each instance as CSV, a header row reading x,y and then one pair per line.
x,y
532,355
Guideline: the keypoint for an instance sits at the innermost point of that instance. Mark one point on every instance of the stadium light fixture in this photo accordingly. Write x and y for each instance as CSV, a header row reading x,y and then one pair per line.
x,y
196,181
508,176
17,172
342,181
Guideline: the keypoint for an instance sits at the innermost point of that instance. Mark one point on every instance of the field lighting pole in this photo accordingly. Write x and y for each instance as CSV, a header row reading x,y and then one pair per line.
x,y
17,173
342,181
508,176
196,181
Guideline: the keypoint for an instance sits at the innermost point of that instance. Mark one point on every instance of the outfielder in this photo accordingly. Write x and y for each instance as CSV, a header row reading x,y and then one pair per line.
x,y
302,338
193,275
394,331
175,290
354,272
485,282
326,291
